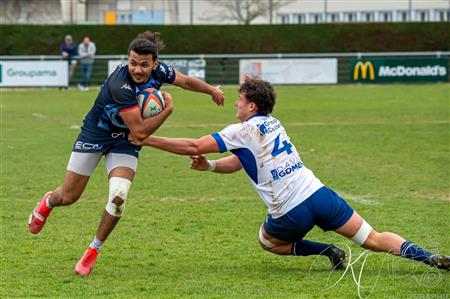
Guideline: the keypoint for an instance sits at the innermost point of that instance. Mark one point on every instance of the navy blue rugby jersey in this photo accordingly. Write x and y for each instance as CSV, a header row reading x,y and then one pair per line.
x,y
117,94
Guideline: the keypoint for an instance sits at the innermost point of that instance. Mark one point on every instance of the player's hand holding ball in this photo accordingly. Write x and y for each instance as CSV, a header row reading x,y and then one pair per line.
x,y
168,100
152,102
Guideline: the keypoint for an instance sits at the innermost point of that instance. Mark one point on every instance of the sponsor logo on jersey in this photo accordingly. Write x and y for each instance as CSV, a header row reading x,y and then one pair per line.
x,y
115,135
269,126
170,72
163,69
291,166
126,86
86,146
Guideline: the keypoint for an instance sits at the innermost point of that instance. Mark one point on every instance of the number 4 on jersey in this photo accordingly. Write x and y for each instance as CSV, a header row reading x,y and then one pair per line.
x,y
277,150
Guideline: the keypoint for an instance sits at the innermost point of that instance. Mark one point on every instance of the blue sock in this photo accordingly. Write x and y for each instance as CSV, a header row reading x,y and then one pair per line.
x,y
96,243
412,251
306,247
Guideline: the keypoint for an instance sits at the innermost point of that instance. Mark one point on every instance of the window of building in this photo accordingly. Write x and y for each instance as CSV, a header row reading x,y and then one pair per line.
x,y
352,17
368,17
386,16
316,18
404,16
292,19
423,16
333,17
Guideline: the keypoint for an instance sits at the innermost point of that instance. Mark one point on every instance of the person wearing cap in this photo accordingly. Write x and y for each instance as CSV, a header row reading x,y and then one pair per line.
x,y
69,51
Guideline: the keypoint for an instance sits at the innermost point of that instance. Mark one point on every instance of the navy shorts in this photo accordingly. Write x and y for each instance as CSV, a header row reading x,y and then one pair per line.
x,y
112,143
324,208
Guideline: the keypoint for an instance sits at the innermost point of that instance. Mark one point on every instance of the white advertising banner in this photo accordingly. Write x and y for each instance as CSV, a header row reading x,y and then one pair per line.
x,y
190,67
112,64
290,71
33,73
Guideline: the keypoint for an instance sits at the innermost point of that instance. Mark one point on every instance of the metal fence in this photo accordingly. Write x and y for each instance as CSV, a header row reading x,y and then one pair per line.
x,y
224,68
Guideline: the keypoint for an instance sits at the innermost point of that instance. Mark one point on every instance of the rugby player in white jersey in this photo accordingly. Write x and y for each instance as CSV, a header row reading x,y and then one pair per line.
x,y
295,198
114,114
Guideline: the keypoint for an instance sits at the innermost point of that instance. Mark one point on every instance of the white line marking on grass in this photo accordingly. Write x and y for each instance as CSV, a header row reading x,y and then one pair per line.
x,y
194,198
37,115
359,199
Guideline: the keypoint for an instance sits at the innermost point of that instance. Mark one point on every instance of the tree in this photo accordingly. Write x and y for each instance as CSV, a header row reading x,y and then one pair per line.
x,y
245,11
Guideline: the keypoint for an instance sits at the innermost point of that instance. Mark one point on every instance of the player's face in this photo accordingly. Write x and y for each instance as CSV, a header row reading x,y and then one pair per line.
x,y
244,108
140,66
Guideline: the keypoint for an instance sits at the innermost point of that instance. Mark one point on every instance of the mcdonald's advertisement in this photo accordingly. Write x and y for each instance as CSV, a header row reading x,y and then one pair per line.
x,y
399,70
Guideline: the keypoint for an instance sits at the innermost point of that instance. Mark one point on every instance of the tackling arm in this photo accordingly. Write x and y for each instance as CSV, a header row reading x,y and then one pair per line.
x,y
228,164
194,84
182,146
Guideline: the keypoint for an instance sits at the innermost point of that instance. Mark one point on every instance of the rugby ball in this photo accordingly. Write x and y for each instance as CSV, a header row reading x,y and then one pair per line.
x,y
151,102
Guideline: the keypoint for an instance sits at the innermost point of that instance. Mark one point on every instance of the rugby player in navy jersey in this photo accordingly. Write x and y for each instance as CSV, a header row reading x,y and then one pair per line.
x,y
295,198
114,115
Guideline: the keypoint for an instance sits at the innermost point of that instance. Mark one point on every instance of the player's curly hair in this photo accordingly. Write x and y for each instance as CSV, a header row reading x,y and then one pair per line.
x,y
259,92
147,43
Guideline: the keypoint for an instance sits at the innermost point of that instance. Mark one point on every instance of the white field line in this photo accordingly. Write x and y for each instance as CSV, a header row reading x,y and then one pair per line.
x,y
359,199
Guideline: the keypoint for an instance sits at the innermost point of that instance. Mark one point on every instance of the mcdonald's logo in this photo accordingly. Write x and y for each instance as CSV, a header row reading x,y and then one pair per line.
x,y
360,70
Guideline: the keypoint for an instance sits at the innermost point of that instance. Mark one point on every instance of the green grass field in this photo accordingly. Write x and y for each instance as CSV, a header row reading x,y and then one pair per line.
x,y
192,234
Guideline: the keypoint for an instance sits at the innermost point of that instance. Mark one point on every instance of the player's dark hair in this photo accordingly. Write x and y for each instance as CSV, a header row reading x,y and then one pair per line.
x,y
147,43
259,92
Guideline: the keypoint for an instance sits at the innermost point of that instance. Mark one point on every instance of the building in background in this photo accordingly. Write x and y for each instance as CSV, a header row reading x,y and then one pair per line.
x,y
203,12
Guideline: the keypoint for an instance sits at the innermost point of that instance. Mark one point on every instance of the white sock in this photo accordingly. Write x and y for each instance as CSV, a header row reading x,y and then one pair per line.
x,y
96,243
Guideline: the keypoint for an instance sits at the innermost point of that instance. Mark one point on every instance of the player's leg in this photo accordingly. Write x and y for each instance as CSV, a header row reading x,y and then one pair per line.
x,y
88,75
79,169
284,235
360,232
302,247
121,170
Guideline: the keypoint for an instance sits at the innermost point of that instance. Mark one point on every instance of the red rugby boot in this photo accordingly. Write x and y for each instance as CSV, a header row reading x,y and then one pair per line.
x,y
39,215
86,263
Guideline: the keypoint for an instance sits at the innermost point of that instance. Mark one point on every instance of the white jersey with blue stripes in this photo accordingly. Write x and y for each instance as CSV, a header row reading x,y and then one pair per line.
x,y
271,162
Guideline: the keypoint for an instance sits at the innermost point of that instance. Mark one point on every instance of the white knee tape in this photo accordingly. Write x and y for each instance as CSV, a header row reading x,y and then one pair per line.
x,y
263,240
118,191
363,232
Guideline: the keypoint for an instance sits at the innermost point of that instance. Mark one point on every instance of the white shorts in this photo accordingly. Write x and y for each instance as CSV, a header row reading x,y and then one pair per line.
x,y
85,163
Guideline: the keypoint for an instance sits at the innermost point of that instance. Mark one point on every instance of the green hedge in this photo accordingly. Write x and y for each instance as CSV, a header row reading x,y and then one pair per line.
x,y
379,37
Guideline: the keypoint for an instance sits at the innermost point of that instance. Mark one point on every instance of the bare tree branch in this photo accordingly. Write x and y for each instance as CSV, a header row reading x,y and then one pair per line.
x,y
245,11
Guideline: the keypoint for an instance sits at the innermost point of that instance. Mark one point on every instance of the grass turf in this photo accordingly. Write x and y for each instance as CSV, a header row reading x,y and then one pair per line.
x,y
190,234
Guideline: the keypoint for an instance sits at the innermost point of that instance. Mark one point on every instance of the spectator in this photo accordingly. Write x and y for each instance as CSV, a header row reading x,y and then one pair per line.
x,y
86,52
68,51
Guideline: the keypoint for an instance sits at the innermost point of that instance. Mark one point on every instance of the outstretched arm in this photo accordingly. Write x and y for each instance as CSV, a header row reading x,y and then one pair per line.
x,y
228,164
181,146
195,84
